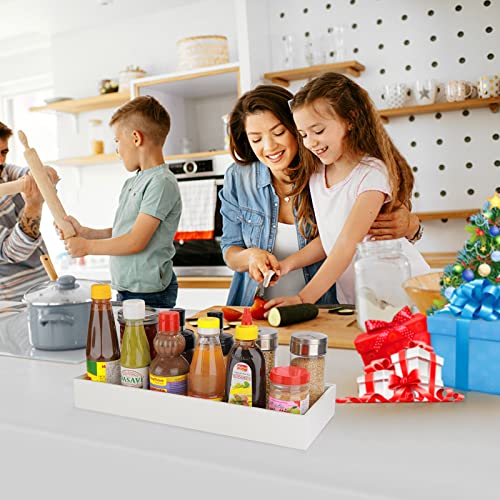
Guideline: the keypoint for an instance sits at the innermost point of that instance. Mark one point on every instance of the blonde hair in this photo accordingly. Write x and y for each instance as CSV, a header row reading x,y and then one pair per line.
x,y
367,136
145,114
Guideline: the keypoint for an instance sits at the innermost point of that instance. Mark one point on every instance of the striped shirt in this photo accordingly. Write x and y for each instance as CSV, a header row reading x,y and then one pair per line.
x,y
20,266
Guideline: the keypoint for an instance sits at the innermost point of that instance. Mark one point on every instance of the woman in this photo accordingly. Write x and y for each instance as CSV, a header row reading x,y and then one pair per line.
x,y
259,215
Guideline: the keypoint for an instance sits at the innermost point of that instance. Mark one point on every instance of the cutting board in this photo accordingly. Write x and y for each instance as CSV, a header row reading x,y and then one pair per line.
x,y
341,330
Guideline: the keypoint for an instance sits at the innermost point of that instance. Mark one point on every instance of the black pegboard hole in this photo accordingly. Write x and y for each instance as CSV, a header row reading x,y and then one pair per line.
x,y
462,60
408,67
307,34
382,71
442,193
415,169
490,56
406,42
458,8
430,13
465,112
495,137
404,17
470,192
434,64
467,139
489,29
444,221
354,26
413,144
355,50
305,11
379,21
469,165
331,54
411,118
416,194
282,15
442,167
380,46
460,34
438,116
487,3
439,142
433,38
352,2
497,163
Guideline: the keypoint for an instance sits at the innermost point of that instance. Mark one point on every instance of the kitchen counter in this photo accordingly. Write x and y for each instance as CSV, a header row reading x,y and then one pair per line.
x,y
52,450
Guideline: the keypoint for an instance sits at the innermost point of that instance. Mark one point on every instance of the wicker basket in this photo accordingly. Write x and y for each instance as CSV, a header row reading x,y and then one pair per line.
x,y
423,290
200,51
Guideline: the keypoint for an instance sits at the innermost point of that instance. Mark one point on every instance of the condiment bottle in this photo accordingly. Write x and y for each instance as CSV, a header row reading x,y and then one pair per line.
x,y
103,352
207,372
268,343
187,333
307,350
289,389
135,358
226,339
246,370
169,370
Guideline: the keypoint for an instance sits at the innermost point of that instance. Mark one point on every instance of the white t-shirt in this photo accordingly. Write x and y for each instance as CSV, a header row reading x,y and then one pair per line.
x,y
332,205
286,244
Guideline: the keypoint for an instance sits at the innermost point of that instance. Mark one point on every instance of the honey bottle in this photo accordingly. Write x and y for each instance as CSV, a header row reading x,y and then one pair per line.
x,y
169,370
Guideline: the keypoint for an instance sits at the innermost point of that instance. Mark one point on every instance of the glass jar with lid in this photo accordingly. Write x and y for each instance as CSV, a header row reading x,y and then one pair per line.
x,y
308,350
150,327
96,133
289,389
268,343
380,268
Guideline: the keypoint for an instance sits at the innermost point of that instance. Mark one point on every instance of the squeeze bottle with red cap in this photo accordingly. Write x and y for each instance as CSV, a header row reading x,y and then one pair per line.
x,y
169,370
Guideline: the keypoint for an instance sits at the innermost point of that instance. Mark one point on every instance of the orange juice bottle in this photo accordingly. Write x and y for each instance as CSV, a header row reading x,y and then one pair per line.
x,y
207,374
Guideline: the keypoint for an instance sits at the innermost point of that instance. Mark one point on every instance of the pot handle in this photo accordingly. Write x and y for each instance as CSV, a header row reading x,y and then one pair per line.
x,y
51,317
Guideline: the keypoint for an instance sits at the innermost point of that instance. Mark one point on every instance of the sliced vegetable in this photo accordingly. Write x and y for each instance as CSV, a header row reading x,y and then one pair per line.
x,y
257,308
231,314
288,315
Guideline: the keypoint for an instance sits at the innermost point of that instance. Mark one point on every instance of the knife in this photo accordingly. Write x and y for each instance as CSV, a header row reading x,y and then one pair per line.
x,y
265,283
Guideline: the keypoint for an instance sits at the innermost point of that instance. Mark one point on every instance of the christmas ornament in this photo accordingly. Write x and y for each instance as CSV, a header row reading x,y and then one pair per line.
x,y
494,201
494,230
458,268
484,270
479,232
495,256
497,239
468,275
487,215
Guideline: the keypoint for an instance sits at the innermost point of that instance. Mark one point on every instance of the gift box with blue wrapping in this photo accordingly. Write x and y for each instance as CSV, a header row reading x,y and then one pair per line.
x,y
466,332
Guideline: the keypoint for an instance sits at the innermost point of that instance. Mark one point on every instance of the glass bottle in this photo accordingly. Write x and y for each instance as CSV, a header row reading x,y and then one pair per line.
x,y
380,268
207,378
268,343
96,134
226,339
187,333
169,370
103,352
135,358
246,370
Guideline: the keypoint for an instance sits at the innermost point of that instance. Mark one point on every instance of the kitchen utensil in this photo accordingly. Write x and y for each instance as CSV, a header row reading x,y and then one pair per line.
x,y
46,187
12,187
423,290
58,313
49,267
265,283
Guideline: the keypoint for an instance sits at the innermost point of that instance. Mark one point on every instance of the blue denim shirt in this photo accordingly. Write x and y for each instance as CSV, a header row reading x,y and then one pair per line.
x,y
250,220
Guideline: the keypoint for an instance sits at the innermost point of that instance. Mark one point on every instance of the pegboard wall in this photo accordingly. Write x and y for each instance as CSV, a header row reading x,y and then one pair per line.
x,y
455,155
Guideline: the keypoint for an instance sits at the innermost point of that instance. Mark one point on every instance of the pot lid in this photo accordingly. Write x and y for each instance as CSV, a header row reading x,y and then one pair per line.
x,y
65,290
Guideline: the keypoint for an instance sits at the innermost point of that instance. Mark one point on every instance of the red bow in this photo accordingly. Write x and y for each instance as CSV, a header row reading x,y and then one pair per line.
x,y
379,364
376,324
407,388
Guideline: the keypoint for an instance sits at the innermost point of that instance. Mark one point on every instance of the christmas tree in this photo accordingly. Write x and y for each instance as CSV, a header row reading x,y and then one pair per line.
x,y
480,256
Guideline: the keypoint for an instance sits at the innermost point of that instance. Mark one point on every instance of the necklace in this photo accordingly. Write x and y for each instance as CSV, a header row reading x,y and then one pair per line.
x,y
286,199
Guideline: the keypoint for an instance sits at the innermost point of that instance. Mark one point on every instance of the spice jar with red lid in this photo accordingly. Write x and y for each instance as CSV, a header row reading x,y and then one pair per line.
x,y
289,389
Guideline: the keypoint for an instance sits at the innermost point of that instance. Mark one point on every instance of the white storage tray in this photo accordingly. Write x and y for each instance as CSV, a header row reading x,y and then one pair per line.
x,y
254,424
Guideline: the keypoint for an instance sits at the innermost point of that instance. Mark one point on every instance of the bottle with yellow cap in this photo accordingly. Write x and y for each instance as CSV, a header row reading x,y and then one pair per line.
x,y
103,351
246,369
207,373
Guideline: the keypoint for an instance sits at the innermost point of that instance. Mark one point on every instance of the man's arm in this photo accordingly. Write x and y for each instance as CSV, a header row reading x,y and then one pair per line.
x,y
128,244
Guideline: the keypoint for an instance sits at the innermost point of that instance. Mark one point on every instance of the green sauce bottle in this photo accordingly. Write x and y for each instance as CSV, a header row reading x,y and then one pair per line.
x,y
135,356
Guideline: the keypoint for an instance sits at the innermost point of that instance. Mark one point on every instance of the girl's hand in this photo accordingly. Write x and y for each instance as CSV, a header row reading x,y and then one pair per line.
x,y
282,301
77,246
260,262
79,229
392,225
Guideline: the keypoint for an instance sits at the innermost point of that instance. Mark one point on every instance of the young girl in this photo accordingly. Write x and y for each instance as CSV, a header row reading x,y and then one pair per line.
x,y
359,173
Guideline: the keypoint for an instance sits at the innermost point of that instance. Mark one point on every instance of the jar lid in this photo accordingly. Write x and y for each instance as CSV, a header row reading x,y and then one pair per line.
x,y
65,290
268,338
134,309
246,332
100,292
289,375
208,326
151,317
168,321
308,344
182,315
190,339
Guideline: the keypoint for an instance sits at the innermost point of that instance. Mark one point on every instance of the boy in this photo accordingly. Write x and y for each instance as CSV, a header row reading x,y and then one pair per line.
x,y
141,242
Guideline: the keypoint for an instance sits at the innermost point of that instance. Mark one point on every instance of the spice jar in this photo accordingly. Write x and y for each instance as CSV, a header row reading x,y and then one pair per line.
x,y
289,389
150,327
96,134
380,268
307,350
268,343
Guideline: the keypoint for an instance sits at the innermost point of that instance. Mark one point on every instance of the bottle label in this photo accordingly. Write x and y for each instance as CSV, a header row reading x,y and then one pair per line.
x,y
135,377
107,372
174,385
299,406
240,392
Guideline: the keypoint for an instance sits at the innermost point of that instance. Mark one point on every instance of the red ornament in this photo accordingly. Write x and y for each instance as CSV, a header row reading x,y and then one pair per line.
x,y
479,232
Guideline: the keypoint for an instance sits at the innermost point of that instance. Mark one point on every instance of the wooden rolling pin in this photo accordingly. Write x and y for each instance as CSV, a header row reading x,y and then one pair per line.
x,y
48,266
46,187
12,187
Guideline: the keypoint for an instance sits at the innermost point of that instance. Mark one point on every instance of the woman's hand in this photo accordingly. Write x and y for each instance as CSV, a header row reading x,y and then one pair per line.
x,y
260,262
392,225
282,301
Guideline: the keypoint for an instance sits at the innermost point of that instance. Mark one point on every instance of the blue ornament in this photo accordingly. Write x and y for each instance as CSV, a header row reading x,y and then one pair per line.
x,y
494,230
495,256
468,275
449,292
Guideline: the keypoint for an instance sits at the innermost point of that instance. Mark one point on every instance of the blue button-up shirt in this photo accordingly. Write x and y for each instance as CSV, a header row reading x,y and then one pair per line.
x,y
249,212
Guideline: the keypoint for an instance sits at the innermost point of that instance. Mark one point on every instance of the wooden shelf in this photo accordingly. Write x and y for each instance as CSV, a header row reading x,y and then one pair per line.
x,y
76,106
113,158
204,281
453,214
493,103
283,78
439,260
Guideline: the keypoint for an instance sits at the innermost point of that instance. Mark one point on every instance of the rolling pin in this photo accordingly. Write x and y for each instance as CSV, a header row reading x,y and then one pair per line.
x,y
49,267
12,187
46,188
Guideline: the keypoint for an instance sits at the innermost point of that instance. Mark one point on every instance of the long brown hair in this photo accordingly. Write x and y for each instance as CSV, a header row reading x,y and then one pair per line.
x,y
367,134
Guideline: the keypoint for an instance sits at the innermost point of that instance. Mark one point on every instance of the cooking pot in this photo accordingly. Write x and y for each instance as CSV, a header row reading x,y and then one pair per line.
x,y
58,313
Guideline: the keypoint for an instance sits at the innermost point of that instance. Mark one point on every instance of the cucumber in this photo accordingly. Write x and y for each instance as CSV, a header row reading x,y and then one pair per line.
x,y
288,315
